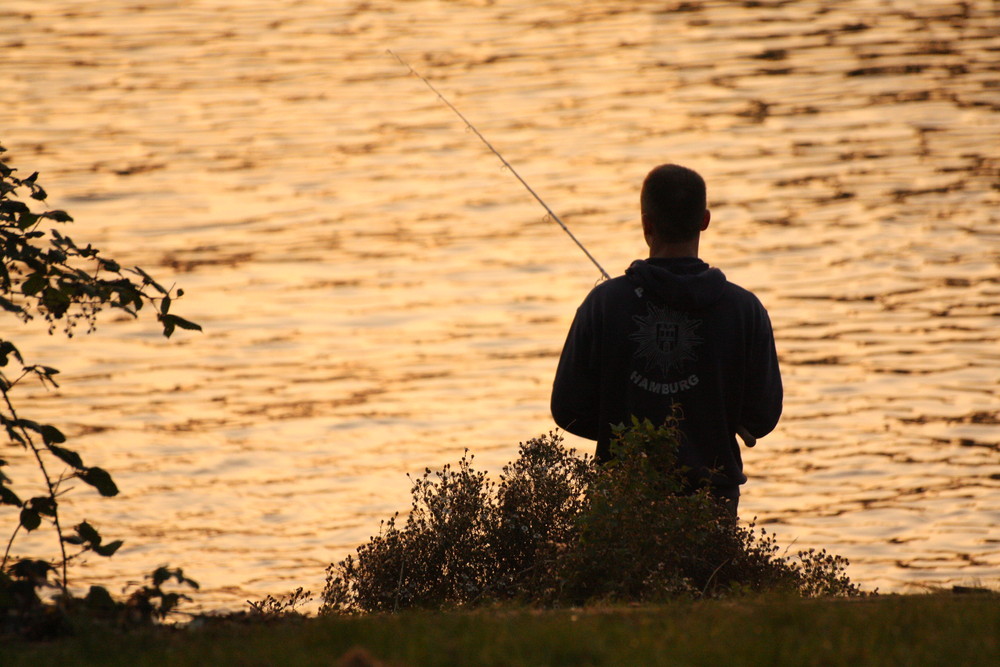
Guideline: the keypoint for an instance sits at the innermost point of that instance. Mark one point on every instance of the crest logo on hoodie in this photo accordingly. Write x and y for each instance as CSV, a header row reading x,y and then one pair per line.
x,y
666,338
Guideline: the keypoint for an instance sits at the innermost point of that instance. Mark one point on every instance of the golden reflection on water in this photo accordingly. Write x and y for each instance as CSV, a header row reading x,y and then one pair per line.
x,y
378,295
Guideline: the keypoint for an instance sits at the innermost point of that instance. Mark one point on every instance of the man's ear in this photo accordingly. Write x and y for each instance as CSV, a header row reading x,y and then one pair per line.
x,y
706,220
647,230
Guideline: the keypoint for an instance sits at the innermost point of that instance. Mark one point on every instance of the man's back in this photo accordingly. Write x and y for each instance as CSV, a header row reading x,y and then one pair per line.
x,y
672,331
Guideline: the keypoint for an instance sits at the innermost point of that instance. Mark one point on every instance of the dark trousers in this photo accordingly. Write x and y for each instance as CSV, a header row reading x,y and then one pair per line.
x,y
729,497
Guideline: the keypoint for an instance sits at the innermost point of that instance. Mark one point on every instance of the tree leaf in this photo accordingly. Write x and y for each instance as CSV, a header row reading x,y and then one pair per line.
x,y
108,549
8,497
44,373
12,433
12,207
99,599
29,424
55,300
10,306
50,434
35,570
6,349
109,265
181,579
58,216
34,284
68,456
100,480
26,219
187,324
172,321
88,533
43,505
30,518
160,575
149,280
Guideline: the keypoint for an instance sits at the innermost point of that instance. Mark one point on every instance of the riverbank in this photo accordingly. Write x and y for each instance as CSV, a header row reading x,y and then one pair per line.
x,y
884,630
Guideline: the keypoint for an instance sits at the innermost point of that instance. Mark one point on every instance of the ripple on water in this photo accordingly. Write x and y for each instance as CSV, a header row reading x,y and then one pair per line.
x,y
378,294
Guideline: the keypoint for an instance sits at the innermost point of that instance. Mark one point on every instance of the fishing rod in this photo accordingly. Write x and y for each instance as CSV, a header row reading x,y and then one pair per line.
x,y
502,159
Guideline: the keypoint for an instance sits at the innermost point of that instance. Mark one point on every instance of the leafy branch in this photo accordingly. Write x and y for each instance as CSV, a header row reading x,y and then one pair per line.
x,y
45,273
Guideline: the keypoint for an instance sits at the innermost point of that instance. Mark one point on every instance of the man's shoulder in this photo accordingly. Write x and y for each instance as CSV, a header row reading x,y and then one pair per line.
x,y
746,306
742,295
611,288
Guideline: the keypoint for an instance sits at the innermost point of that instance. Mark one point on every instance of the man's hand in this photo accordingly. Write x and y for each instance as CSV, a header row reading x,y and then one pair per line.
x,y
745,434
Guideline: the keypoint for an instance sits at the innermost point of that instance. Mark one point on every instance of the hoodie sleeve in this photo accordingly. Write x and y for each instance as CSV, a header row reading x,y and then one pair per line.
x,y
763,393
575,391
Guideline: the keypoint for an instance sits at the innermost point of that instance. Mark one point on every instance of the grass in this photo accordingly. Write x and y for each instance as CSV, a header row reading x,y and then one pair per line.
x,y
886,630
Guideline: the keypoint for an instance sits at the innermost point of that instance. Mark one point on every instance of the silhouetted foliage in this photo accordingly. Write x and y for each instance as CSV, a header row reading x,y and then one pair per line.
x,y
45,273
560,529
30,614
275,608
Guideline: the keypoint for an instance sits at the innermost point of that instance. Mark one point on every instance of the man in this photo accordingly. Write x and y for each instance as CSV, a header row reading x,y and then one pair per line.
x,y
673,331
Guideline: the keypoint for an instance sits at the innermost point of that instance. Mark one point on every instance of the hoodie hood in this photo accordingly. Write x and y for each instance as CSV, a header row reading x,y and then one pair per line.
x,y
686,283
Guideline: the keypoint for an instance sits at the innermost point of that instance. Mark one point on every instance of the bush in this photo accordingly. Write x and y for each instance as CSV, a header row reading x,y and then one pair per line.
x,y
559,529
466,539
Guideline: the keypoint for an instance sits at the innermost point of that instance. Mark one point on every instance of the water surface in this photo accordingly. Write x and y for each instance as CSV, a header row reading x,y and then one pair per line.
x,y
379,294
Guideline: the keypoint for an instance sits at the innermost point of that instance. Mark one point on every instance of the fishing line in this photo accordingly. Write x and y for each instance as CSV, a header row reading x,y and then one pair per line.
x,y
502,159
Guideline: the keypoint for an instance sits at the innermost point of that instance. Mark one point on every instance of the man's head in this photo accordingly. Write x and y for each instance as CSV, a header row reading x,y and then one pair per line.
x,y
673,205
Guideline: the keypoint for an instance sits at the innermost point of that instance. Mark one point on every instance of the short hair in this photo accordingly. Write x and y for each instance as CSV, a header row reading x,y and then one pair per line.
x,y
674,200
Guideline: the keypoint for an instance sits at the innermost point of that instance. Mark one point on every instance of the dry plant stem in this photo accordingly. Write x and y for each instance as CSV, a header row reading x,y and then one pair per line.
x,y
711,577
10,543
399,587
17,528
52,494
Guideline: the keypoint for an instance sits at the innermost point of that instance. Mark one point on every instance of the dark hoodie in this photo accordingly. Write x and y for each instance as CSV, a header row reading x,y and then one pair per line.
x,y
672,331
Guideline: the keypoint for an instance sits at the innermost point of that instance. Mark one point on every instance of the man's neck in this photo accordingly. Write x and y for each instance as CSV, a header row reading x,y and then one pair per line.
x,y
674,250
